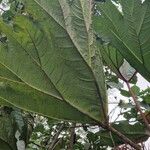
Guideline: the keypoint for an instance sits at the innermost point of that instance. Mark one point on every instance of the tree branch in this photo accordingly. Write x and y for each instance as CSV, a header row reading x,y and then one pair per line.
x,y
72,137
50,144
137,105
2,9
122,136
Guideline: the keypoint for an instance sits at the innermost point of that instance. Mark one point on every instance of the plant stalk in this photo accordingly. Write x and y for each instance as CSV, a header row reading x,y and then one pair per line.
x,y
122,136
72,137
137,105
55,138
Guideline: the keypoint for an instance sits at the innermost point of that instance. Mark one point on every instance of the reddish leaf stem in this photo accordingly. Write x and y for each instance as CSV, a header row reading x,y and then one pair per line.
x,y
137,105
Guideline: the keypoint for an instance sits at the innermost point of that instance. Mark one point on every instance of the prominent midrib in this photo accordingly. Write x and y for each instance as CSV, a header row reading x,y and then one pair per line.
x,y
89,48
34,47
88,59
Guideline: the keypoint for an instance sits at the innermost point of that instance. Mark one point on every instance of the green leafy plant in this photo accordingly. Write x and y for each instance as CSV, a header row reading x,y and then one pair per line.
x,y
57,59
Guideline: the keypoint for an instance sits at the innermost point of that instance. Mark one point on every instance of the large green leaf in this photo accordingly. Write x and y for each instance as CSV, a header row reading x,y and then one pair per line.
x,y
60,67
128,31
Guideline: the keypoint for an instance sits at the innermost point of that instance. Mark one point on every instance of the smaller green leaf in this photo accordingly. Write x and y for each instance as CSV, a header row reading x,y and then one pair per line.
x,y
17,116
125,93
134,79
146,99
124,105
135,89
7,16
39,128
127,116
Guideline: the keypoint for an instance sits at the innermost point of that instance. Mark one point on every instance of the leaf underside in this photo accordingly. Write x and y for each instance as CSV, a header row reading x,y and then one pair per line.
x,y
48,67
